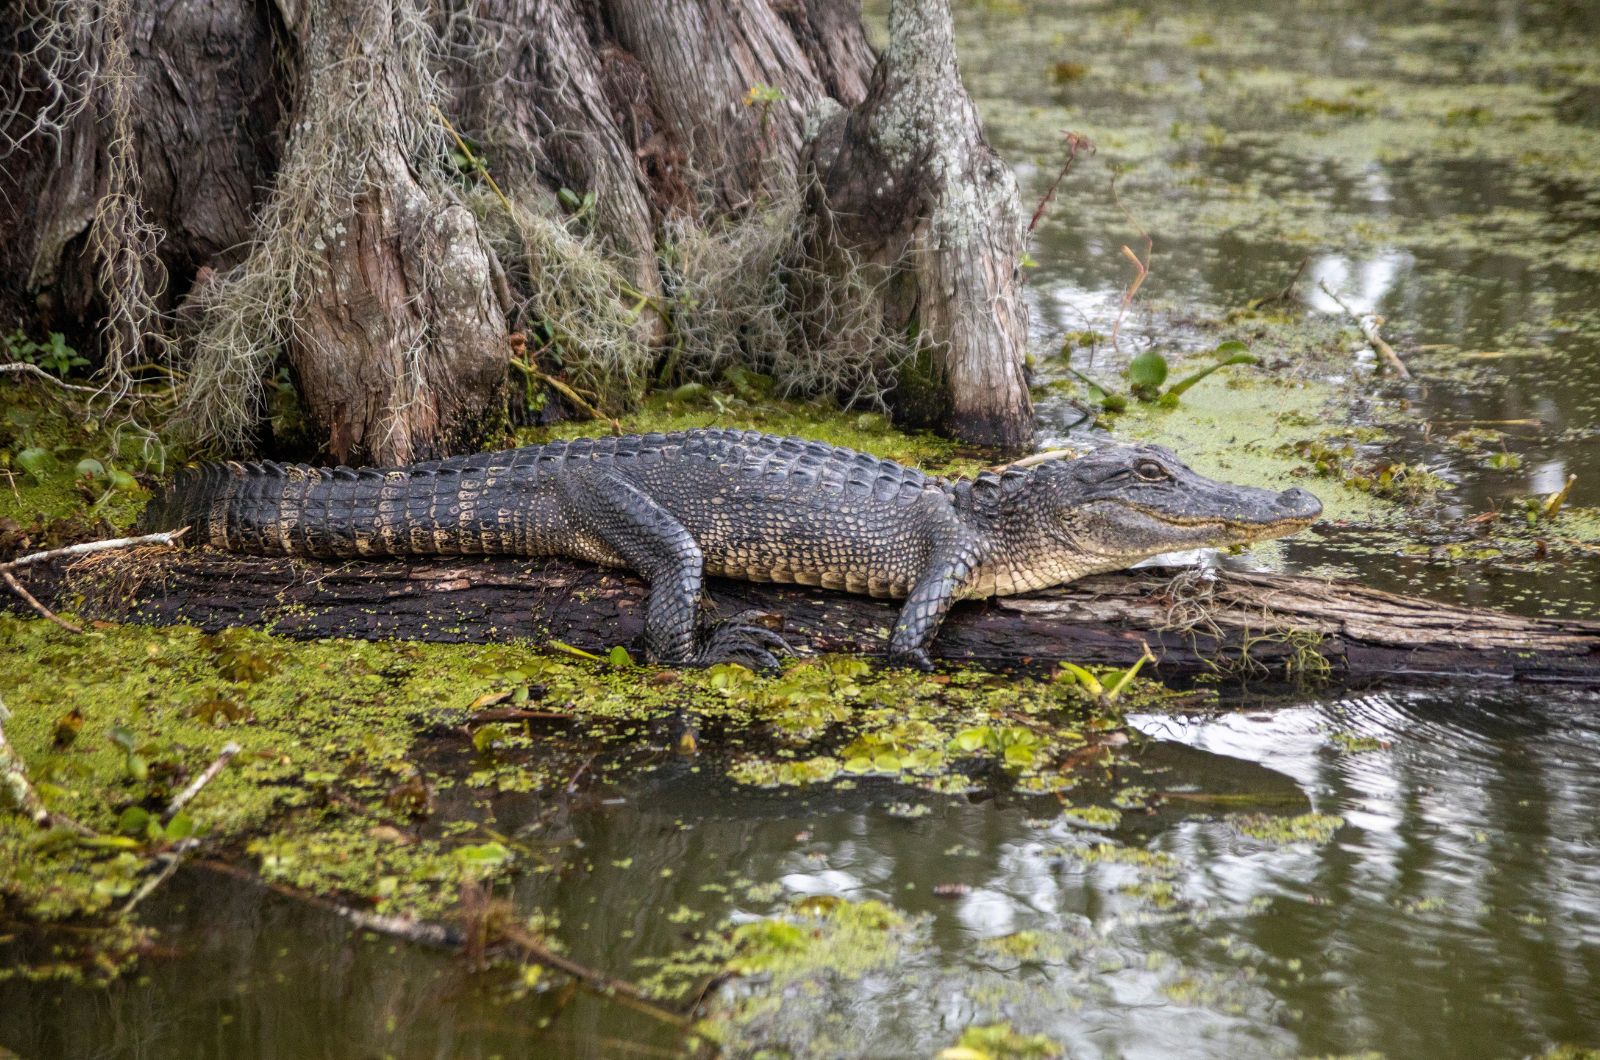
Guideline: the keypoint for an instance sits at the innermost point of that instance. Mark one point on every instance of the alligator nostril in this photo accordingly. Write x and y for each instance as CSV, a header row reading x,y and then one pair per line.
x,y
1300,500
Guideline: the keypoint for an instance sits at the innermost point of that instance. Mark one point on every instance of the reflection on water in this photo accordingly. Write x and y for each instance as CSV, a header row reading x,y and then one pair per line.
x,y
1431,169
1440,171
1455,913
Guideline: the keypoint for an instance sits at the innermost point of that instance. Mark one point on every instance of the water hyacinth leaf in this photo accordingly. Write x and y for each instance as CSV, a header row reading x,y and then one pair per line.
x,y
1146,373
180,827
134,821
35,461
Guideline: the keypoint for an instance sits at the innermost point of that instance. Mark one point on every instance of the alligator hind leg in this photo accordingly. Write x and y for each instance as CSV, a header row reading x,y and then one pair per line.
x,y
650,540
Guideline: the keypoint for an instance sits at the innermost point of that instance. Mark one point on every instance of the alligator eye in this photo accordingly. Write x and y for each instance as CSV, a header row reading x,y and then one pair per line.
x,y
1150,471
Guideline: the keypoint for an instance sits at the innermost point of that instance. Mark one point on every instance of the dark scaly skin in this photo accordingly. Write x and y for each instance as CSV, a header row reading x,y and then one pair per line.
x,y
739,504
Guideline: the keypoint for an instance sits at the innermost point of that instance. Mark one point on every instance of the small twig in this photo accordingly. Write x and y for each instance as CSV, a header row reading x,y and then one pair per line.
x,y
444,937
34,370
1141,268
33,602
564,390
1288,288
14,783
1369,330
473,159
618,989
172,858
184,797
84,548
16,789
81,549
1075,142
1034,459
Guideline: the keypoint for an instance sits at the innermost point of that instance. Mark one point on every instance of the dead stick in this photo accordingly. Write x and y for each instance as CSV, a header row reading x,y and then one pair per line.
x,y
182,799
33,369
444,937
84,548
1075,143
173,859
20,792
14,782
619,989
33,602
1369,330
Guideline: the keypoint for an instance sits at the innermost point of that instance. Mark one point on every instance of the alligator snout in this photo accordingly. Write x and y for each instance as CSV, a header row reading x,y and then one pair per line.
x,y
1299,504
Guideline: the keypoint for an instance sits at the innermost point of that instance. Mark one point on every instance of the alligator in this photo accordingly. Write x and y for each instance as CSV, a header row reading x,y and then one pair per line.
x,y
678,507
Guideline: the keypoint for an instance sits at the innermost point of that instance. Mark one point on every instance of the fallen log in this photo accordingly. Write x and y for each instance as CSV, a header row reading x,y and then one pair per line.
x,y
1196,622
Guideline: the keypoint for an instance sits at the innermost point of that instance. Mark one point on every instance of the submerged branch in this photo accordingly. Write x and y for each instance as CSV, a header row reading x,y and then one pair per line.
x,y
442,936
1368,323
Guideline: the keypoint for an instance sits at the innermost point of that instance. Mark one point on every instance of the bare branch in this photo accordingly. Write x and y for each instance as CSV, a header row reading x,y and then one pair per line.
x,y
84,548
184,797
24,368
1368,323
33,602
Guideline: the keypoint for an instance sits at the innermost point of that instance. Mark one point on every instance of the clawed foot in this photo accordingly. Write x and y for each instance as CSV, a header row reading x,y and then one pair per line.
x,y
911,659
742,640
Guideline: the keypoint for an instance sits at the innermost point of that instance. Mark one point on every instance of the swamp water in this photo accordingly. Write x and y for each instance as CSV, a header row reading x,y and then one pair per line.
x,y
1411,871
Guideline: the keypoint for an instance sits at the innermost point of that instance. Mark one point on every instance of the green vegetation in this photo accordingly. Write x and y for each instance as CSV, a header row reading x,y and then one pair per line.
x,y
64,472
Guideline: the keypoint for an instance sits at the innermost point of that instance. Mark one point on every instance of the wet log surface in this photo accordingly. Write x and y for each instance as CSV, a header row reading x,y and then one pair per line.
x,y
1256,624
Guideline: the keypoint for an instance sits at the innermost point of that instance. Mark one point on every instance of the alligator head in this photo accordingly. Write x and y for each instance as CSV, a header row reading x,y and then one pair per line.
x,y
1111,508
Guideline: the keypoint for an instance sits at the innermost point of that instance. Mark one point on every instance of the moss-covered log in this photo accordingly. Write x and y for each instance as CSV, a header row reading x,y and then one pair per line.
x,y
1234,623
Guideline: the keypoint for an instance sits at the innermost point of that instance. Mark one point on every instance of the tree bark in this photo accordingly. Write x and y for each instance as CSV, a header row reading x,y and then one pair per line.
x,y
276,175
1238,624
401,345
905,182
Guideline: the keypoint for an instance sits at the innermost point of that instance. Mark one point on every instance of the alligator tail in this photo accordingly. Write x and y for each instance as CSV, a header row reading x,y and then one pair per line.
x,y
276,509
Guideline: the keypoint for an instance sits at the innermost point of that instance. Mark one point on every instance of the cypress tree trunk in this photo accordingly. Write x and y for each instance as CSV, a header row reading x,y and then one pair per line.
x,y
237,186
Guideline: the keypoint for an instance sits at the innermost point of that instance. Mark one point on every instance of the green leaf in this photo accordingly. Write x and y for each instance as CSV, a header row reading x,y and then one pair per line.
x,y
618,656
134,821
1089,681
1019,755
89,466
1177,389
35,461
1146,373
970,740
1106,399
180,827
569,199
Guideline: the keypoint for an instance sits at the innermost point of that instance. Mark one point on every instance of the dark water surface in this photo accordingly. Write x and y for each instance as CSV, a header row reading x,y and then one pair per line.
x,y
1437,163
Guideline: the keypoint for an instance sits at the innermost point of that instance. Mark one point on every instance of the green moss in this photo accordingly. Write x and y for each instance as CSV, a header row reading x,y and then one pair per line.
x,y
999,1041
1313,828
64,473
696,406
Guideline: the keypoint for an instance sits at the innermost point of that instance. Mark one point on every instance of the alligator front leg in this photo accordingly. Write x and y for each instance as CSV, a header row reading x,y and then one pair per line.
x,y
651,541
926,606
